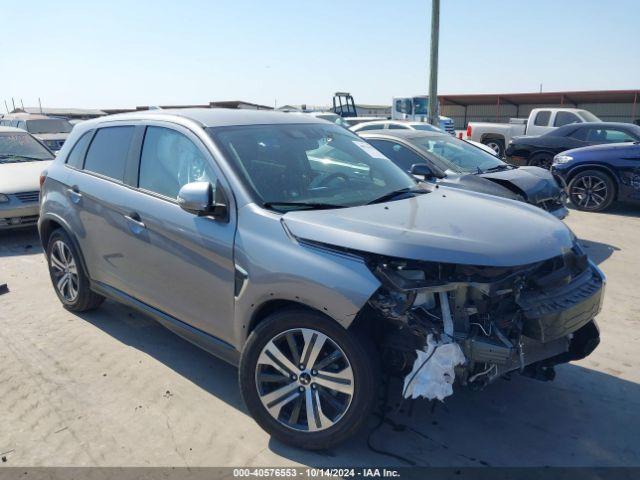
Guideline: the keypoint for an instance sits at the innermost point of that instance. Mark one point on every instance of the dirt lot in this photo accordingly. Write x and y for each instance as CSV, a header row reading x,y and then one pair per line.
x,y
114,388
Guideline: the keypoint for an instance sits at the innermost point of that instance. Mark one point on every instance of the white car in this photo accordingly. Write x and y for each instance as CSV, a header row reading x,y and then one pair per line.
x,y
22,160
400,125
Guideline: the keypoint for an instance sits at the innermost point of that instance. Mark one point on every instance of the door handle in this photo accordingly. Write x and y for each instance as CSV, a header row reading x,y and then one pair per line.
x,y
136,225
74,194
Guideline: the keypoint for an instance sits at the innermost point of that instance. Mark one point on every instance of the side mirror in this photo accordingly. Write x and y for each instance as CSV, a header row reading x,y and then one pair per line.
x,y
200,199
422,170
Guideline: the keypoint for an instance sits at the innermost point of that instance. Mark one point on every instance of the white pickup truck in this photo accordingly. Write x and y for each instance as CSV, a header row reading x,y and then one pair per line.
x,y
541,120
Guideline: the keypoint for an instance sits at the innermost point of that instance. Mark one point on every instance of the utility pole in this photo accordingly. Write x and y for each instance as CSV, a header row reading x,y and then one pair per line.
x,y
433,67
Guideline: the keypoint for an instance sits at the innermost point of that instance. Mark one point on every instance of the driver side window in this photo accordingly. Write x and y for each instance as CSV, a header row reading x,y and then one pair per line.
x,y
169,161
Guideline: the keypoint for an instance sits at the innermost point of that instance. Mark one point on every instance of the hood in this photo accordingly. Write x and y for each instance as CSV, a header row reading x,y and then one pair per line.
x,y
524,138
51,136
447,225
534,183
603,148
22,176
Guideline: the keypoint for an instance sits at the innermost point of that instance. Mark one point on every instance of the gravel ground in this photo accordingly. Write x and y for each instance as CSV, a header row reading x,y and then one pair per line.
x,y
113,388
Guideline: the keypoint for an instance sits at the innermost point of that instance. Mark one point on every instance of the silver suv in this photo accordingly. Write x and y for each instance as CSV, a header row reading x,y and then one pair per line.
x,y
295,250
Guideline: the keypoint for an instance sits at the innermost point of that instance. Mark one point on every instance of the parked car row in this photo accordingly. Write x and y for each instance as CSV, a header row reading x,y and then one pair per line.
x,y
51,131
306,256
540,120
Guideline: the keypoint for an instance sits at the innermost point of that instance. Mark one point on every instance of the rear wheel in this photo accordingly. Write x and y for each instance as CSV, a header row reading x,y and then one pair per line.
x,y
542,160
496,145
592,191
306,380
70,282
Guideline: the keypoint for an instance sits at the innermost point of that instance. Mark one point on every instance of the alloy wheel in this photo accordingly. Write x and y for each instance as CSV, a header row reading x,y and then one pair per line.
x,y
496,147
589,192
65,271
304,380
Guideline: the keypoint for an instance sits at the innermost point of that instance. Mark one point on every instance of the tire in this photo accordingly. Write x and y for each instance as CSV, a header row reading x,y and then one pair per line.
x,y
592,191
339,415
496,145
63,260
542,160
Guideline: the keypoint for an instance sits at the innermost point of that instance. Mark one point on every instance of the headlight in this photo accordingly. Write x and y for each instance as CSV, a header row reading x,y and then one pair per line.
x,y
3,198
558,159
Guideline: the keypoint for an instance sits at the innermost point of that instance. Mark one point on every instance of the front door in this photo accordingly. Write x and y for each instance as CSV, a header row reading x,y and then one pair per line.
x,y
186,269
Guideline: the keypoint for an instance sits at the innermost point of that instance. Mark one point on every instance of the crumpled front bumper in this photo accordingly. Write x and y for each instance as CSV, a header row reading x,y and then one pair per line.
x,y
557,313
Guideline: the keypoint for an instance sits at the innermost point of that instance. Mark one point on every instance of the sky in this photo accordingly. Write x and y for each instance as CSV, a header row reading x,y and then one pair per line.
x,y
75,53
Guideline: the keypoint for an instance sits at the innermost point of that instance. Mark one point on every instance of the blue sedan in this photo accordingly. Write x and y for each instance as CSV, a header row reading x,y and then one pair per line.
x,y
599,175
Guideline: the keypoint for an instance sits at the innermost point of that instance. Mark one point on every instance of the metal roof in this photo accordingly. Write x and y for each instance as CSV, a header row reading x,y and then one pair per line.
x,y
593,96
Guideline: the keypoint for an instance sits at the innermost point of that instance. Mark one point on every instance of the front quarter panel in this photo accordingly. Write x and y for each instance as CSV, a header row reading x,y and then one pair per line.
x,y
280,268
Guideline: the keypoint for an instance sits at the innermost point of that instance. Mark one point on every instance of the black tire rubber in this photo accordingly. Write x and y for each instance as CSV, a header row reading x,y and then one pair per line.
x,y
357,347
87,299
542,160
499,143
611,189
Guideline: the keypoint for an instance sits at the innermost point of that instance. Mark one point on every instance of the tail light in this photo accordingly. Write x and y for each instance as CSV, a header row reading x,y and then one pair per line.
x,y
43,177
468,131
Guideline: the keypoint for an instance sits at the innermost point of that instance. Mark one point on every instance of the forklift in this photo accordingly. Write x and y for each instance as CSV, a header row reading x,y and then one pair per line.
x,y
344,105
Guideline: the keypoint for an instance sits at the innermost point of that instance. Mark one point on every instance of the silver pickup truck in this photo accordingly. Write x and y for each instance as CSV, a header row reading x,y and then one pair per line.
x,y
541,120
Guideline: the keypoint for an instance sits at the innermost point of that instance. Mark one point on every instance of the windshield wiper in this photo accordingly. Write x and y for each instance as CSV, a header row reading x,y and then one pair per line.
x,y
22,156
391,195
306,205
497,168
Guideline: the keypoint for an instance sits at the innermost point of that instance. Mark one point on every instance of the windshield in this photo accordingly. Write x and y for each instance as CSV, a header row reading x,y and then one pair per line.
x,y
588,116
420,106
21,147
308,164
457,154
52,125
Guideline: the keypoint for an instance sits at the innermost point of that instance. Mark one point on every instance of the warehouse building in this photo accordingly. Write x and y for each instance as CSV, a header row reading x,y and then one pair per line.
x,y
608,105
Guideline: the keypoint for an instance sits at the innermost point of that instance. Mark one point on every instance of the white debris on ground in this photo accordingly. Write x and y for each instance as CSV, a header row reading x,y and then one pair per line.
x,y
433,372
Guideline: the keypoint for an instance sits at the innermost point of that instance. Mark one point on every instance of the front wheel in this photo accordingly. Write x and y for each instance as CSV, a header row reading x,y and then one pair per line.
x,y
592,191
306,380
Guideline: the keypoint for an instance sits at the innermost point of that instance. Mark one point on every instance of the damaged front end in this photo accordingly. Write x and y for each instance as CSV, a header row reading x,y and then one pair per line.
x,y
503,319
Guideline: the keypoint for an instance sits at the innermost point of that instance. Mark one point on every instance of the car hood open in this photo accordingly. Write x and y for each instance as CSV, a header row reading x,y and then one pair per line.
x,y
534,183
447,225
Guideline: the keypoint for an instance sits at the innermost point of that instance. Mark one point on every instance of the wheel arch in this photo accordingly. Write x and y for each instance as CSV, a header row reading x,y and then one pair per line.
x,y
49,223
265,309
493,136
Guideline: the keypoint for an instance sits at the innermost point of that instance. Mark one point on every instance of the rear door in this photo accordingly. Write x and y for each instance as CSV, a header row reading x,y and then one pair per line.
x,y
184,263
99,197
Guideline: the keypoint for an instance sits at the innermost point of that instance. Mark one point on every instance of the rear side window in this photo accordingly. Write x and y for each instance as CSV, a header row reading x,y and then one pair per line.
x,y
377,126
393,126
76,157
108,152
542,118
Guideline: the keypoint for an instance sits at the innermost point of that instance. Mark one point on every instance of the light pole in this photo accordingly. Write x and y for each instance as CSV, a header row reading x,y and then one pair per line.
x,y
433,67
